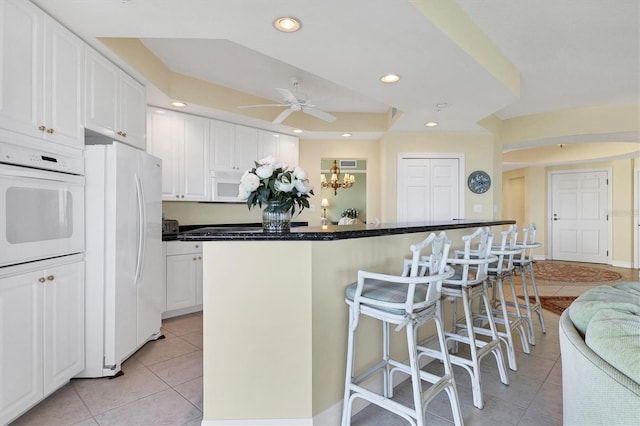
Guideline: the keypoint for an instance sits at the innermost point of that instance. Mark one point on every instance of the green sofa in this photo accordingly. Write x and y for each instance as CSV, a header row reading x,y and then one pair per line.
x,y
600,349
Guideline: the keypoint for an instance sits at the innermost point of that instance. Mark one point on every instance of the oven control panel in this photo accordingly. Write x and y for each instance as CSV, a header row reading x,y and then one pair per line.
x,y
28,157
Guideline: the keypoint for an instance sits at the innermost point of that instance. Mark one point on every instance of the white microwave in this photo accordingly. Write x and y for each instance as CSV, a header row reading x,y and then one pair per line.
x,y
224,186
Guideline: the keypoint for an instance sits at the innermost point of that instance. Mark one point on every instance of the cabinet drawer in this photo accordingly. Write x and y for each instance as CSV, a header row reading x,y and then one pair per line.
x,y
183,247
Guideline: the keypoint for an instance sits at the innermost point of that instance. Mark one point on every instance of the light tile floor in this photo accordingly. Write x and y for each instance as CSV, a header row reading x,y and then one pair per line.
x,y
162,383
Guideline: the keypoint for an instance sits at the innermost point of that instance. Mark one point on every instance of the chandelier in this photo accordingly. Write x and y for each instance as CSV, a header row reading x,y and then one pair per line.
x,y
347,181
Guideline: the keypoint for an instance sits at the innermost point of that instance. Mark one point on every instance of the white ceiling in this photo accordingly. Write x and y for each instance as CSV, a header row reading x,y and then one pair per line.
x,y
569,53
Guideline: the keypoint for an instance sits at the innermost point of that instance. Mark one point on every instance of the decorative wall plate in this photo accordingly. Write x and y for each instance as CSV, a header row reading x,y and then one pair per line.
x,y
479,182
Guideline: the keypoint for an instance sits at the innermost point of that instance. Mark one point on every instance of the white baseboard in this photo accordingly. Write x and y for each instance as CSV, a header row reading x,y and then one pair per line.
x,y
259,422
617,263
539,257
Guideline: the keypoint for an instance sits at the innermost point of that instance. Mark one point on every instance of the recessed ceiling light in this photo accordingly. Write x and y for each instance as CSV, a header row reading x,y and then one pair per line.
x,y
287,24
346,135
431,124
178,104
390,78
297,131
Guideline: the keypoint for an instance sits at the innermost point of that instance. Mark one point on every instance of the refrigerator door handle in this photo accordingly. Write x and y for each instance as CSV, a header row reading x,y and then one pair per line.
x,y
142,227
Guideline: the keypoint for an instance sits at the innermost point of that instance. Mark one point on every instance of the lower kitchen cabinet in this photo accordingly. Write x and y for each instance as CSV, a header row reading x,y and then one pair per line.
x,y
41,335
184,278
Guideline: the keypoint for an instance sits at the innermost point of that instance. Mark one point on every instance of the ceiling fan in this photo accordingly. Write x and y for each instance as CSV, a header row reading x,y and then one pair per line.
x,y
295,102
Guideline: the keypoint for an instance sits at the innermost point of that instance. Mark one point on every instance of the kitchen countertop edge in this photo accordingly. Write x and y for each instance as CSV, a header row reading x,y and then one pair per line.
x,y
342,232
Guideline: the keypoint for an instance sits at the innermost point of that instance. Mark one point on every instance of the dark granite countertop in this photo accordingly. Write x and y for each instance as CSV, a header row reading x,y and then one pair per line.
x,y
331,232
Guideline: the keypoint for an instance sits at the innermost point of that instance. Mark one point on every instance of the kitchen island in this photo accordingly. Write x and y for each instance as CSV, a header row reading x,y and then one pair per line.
x,y
275,320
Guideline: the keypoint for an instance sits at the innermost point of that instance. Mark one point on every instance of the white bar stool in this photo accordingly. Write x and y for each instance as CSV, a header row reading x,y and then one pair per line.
x,y
469,283
524,264
499,272
408,301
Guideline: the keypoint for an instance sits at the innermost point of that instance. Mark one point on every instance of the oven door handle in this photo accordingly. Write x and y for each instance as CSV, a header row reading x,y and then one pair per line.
x,y
142,227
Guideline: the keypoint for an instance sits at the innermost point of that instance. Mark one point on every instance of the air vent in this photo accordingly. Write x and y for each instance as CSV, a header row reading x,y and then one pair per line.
x,y
348,164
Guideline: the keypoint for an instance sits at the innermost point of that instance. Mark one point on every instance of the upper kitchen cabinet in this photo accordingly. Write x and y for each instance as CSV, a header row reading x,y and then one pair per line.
x,y
41,78
283,147
233,148
115,104
182,142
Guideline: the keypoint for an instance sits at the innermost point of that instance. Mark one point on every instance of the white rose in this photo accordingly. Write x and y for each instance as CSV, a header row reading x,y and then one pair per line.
x,y
283,184
303,186
299,173
243,194
265,171
249,182
282,166
269,159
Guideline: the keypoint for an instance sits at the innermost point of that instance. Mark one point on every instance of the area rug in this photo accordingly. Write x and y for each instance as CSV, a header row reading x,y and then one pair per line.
x,y
555,304
572,272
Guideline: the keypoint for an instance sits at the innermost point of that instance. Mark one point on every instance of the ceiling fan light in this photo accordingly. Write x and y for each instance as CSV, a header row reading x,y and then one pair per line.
x,y
390,78
287,24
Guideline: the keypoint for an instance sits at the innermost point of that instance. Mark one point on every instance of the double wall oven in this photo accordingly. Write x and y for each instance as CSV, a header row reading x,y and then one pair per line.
x,y
41,205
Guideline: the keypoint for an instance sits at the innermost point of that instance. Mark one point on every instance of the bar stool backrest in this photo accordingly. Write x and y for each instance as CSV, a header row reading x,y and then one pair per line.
x,y
506,250
476,246
528,243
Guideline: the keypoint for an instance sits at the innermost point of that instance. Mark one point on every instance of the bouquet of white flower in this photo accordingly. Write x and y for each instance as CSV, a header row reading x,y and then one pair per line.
x,y
270,181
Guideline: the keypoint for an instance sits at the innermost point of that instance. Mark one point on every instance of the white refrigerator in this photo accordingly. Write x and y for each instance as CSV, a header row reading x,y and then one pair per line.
x,y
124,294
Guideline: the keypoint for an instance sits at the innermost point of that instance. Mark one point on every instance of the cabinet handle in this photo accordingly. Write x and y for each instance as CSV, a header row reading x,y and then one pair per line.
x,y
177,196
197,246
182,196
123,134
199,257
51,278
50,131
195,258
41,279
119,133
42,128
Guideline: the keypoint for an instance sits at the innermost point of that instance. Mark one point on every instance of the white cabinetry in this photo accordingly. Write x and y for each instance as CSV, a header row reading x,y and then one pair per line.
x,y
233,147
115,103
182,142
41,65
184,278
41,334
283,147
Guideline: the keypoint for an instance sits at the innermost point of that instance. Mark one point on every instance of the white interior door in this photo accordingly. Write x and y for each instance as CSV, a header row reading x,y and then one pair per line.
x,y
636,218
428,189
580,219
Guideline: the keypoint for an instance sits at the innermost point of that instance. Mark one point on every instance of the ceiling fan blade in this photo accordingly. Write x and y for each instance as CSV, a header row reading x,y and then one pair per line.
x,y
319,114
288,96
282,116
263,105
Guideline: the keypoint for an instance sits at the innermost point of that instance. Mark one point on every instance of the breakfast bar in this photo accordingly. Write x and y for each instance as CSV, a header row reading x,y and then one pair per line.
x,y
275,320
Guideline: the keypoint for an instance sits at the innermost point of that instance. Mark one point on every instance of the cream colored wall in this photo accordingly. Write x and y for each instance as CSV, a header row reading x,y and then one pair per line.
x,y
192,213
478,152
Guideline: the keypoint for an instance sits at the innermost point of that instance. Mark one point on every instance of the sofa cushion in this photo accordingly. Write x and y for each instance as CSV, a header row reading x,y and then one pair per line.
x,y
615,337
604,297
632,287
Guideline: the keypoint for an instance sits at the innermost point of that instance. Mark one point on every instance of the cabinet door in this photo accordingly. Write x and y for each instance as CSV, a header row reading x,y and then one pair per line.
x,y
222,138
288,150
267,144
181,280
246,148
101,93
195,170
64,63
63,324
132,129
21,69
20,343
165,142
